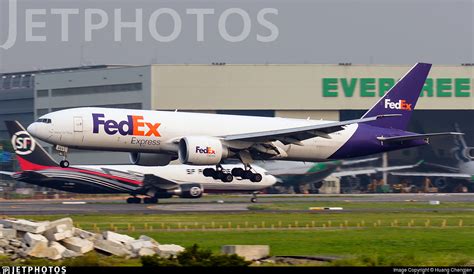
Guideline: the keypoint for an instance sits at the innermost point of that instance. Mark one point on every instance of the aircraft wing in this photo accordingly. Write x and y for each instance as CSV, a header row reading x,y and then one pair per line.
x,y
372,170
416,136
301,177
297,134
300,170
154,181
435,174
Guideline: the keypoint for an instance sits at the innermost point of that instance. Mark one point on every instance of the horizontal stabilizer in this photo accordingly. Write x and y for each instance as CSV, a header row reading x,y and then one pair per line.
x,y
435,174
416,136
369,171
8,173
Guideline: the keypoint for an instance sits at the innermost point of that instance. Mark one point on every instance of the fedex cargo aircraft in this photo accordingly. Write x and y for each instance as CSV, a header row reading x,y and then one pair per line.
x,y
155,183
157,137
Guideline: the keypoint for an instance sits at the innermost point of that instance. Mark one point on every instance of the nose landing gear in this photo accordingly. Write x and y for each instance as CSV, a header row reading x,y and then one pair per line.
x,y
254,197
63,152
64,163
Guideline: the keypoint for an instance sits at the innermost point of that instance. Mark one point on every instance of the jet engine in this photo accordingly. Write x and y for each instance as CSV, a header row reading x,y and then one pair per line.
x,y
190,191
469,153
197,150
150,159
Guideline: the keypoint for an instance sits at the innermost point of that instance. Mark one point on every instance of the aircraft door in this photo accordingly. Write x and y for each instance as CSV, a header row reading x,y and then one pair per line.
x,y
78,124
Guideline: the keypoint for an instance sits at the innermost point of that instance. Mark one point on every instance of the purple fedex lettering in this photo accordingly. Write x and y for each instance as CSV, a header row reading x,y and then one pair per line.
x,y
96,121
111,127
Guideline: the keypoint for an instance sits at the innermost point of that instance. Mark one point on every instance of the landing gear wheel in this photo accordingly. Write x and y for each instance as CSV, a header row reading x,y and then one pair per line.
x,y
133,200
237,172
254,197
64,163
150,200
216,176
247,174
208,172
226,177
256,178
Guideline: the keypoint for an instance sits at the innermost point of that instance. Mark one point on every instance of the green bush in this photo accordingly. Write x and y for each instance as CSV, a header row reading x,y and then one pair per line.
x,y
399,260
193,256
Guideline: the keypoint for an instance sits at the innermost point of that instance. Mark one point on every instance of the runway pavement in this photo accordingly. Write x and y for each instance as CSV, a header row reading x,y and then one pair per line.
x,y
207,204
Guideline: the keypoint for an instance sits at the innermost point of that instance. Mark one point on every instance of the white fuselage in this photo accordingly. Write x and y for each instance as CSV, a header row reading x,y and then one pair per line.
x,y
182,174
160,131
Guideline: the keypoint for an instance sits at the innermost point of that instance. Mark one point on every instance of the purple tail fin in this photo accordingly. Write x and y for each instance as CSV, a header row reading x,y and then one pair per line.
x,y
400,99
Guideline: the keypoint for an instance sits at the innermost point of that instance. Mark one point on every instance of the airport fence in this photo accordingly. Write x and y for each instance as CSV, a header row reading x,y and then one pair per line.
x,y
276,225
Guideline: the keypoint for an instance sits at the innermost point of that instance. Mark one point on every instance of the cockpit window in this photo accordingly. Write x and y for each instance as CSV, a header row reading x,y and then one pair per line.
x,y
44,120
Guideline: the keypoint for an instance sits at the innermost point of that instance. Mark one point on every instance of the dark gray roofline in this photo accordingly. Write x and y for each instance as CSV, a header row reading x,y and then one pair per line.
x,y
62,69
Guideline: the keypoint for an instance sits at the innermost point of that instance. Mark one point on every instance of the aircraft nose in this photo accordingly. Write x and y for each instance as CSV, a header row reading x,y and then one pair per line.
x,y
271,179
33,129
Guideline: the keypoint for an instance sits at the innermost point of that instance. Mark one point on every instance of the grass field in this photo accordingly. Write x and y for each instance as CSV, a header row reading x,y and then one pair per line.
x,y
378,238
350,204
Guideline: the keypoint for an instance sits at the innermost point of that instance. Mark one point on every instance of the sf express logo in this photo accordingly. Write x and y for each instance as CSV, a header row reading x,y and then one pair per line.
x,y
23,143
134,125
205,150
401,104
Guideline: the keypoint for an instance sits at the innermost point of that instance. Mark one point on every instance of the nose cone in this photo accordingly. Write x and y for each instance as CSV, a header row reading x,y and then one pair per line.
x,y
271,180
33,129
37,130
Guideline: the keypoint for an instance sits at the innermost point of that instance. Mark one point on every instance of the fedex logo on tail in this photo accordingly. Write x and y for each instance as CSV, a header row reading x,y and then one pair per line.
x,y
205,150
134,125
401,104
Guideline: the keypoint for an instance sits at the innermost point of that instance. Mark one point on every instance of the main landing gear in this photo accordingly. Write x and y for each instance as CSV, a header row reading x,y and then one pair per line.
x,y
146,200
219,173
247,174
63,152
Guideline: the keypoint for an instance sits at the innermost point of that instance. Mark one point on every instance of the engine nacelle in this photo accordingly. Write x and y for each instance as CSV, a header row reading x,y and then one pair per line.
x,y
150,159
469,153
190,191
201,150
